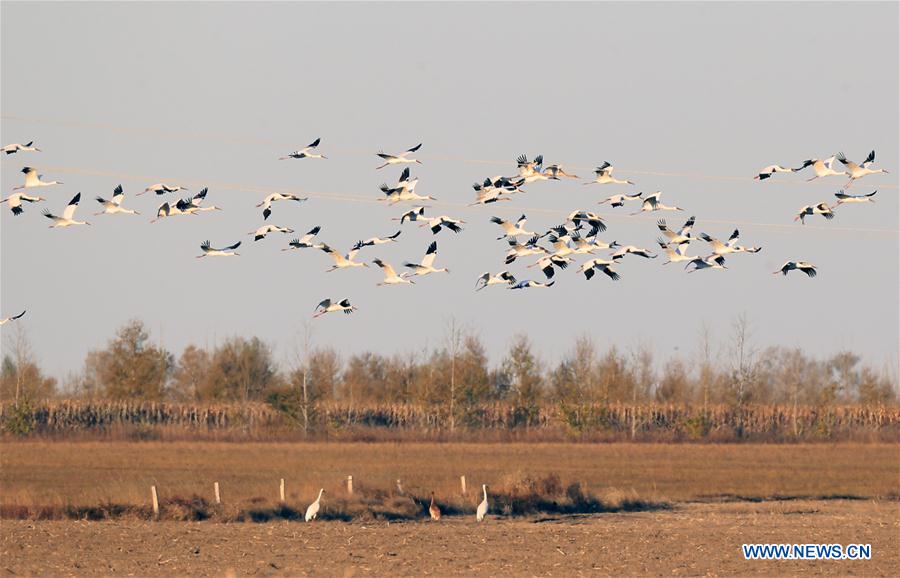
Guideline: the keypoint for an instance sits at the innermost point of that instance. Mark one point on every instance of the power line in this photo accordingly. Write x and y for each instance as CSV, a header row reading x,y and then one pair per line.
x,y
372,199
218,137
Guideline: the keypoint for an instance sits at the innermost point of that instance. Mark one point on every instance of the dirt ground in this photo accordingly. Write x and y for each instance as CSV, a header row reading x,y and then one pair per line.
x,y
691,539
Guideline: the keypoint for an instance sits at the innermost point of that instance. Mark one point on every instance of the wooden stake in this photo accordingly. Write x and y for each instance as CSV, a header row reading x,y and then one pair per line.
x,y
462,483
155,498
216,490
349,484
281,490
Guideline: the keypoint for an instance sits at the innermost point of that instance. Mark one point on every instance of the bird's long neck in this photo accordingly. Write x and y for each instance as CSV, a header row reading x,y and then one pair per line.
x,y
484,489
320,494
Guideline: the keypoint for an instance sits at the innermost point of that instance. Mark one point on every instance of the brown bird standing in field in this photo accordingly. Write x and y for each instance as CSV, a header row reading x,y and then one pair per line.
x,y
433,509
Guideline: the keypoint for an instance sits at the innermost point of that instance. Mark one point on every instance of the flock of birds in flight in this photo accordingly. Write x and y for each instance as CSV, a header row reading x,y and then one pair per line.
x,y
576,236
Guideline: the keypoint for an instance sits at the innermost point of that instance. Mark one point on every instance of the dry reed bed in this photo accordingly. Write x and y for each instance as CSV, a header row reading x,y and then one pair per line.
x,y
646,422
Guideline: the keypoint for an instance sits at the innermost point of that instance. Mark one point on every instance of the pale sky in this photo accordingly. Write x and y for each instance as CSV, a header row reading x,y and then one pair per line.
x,y
690,99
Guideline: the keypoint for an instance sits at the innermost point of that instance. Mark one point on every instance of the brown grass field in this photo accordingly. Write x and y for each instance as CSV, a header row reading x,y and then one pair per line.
x,y
60,473
702,502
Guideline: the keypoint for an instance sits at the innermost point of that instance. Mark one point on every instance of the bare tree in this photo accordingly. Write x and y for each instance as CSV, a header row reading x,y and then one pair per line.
x,y
707,373
453,338
743,356
301,365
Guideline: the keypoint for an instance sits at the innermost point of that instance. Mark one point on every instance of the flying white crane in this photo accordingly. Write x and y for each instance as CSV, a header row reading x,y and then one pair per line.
x,y
261,232
592,220
652,203
371,242
390,275
426,266
822,168
488,196
483,506
15,202
14,148
437,223
328,306
802,266
167,210
604,176
266,203
313,510
67,219
517,249
529,284
682,236
6,320
845,198
547,263
677,252
404,183
342,261
602,265
307,152
766,172
632,250
505,184
413,214
162,189
305,242
194,204
820,209
583,246
114,205
530,171
619,200
856,171
511,229
557,172
394,196
210,251
501,278
567,229
33,179
398,159
708,262
730,246
561,247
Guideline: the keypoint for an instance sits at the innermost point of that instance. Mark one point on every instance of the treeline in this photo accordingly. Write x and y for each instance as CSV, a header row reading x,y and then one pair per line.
x,y
457,375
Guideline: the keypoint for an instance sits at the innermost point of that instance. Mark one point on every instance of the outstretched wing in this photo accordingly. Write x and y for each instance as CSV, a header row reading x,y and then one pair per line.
x,y
430,254
869,159
69,211
118,195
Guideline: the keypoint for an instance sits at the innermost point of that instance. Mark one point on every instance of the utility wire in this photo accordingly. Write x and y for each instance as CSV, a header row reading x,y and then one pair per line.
x,y
215,137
